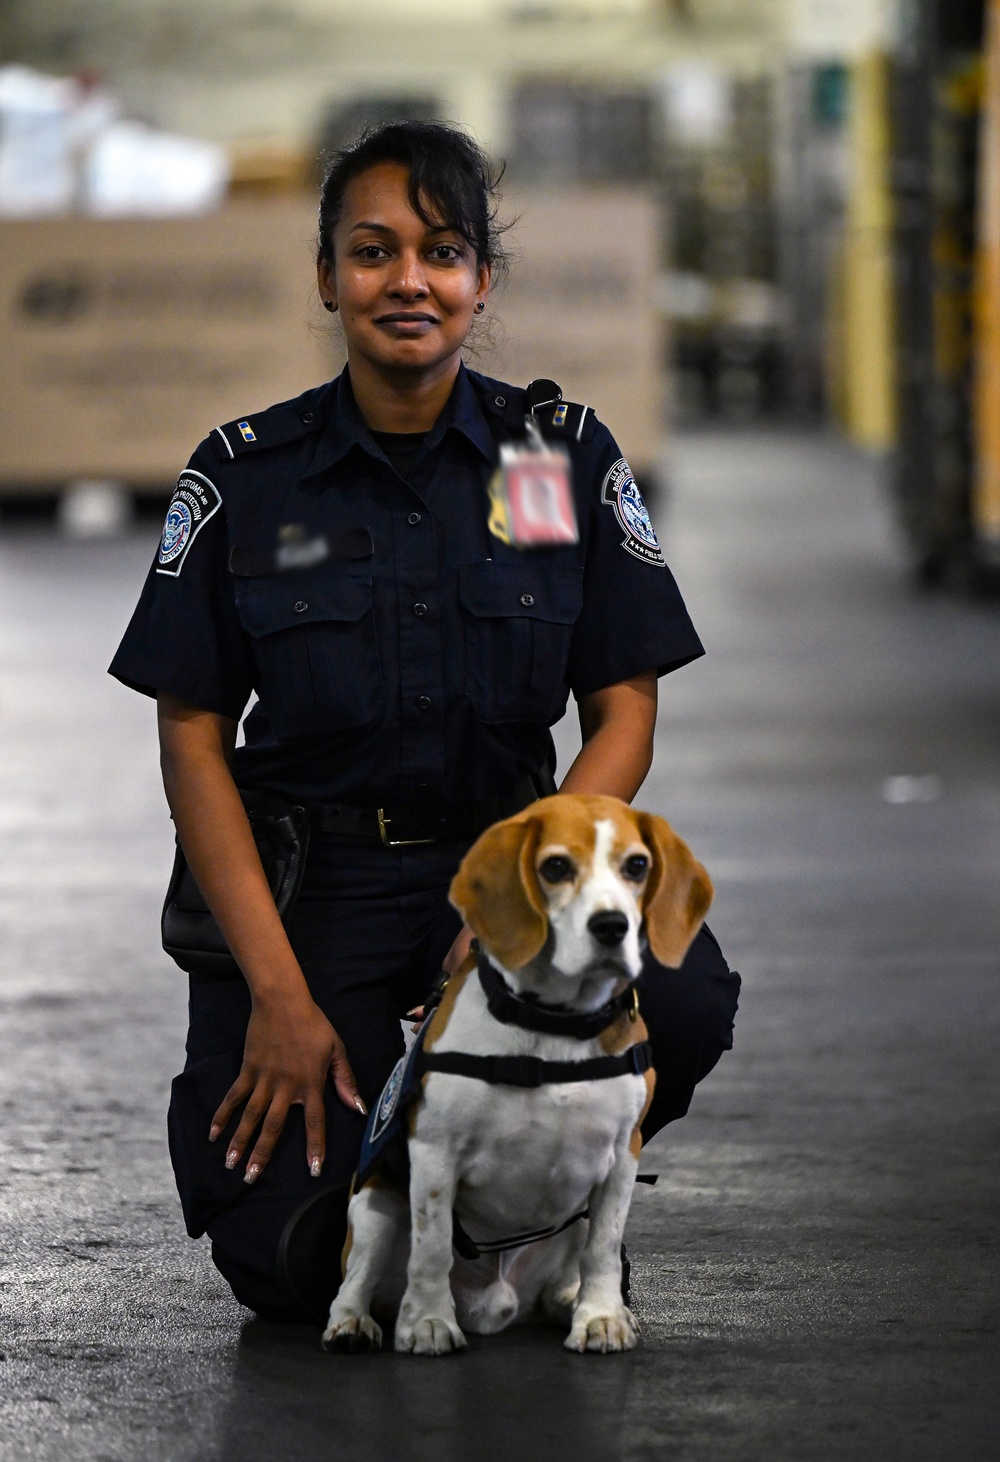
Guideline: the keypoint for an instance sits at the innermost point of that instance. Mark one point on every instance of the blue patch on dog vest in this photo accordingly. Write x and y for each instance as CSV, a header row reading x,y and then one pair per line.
x,y
385,1126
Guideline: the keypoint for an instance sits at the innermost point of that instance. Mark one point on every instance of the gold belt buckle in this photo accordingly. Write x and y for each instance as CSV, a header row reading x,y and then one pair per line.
x,y
387,842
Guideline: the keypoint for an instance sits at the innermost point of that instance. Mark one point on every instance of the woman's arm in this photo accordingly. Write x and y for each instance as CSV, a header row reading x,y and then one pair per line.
x,y
290,1044
617,725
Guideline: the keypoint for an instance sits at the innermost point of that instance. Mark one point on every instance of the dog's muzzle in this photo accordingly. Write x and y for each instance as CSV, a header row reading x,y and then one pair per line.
x,y
609,927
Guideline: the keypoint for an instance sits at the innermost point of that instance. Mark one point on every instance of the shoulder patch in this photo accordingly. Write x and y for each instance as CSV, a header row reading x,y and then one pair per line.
x,y
194,501
619,492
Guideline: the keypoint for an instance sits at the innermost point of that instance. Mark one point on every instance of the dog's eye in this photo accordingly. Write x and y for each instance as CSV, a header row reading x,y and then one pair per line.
x,y
636,866
556,869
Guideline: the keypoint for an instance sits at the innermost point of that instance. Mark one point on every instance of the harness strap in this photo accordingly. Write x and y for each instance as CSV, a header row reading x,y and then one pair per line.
x,y
471,1248
531,1071
511,1009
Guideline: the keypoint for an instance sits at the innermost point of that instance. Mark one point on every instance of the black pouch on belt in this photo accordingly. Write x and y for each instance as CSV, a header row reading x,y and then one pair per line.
x,y
188,929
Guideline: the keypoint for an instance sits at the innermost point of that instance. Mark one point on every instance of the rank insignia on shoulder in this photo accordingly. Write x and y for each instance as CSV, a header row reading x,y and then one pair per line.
x,y
619,492
272,428
559,415
194,501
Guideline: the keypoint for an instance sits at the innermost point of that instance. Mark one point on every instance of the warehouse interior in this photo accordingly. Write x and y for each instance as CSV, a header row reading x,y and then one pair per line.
x,y
761,238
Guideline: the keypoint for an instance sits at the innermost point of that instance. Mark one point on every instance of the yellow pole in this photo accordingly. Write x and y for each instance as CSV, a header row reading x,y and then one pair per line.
x,y
986,481
868,360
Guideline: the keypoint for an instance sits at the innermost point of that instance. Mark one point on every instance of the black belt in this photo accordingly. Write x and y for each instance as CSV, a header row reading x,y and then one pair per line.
x,y
405,826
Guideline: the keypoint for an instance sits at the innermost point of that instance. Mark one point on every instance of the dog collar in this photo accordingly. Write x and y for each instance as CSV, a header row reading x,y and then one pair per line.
x,y
532,1015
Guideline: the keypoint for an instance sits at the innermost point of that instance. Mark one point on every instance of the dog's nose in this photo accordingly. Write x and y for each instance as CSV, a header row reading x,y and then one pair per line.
x,y
608,926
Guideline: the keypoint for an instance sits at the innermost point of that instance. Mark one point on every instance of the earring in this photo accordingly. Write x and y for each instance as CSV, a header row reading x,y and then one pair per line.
x,y
329,305
481,306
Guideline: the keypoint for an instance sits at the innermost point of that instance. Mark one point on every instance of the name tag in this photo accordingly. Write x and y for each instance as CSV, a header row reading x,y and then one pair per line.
x,y
531,498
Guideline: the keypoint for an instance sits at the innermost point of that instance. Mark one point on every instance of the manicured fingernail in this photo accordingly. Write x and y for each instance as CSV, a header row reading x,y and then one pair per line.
x,y
252,1173
213,1132
412,1014
361,1106
232,1158
316,1166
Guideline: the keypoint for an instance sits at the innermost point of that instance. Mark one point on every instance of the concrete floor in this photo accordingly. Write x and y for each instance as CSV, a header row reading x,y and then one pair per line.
x,y
815,1272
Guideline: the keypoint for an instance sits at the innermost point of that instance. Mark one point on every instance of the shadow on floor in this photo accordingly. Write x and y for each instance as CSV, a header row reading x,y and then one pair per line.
x,y
513,1395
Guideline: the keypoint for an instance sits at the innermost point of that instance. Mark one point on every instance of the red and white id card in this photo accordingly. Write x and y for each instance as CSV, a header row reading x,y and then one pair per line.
x,y
532,498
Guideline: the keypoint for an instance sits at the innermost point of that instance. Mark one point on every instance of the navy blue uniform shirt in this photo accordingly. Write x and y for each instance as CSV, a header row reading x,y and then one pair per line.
x,y
399,651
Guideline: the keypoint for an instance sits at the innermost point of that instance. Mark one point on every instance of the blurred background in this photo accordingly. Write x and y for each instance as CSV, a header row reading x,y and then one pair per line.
x,y
777,211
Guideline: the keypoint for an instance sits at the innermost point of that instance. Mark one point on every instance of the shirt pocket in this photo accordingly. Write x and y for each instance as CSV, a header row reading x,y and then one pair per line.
x,y
519,622
316,653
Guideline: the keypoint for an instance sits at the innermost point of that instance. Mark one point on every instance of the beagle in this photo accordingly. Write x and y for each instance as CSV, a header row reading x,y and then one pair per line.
x,y
521,1102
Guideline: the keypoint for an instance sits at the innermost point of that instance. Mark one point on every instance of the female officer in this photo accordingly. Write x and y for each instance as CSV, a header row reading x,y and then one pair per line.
x,y
338,555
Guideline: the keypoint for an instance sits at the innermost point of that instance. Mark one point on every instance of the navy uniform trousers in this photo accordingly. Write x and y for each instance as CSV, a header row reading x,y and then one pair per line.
x,y
370,928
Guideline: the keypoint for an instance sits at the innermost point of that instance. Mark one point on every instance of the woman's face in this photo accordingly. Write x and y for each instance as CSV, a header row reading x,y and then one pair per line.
x,y
406,291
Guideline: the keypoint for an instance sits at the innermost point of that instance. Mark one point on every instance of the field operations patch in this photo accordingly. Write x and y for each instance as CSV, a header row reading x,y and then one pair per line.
x,y
194,501
620,493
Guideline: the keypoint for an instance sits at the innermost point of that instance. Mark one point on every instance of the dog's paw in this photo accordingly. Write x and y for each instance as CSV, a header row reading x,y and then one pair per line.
x,y
604,1333
430,1336
352,1335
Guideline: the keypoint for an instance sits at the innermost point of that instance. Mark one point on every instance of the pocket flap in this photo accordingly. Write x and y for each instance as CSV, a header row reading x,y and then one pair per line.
x,y
264,610
507,590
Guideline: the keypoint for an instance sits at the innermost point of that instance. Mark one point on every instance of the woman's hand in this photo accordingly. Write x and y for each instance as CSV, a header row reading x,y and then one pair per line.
x,y
290,1047
456,955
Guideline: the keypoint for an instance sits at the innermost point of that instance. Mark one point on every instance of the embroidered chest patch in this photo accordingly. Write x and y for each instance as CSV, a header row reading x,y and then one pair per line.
x,y
620,493
194,501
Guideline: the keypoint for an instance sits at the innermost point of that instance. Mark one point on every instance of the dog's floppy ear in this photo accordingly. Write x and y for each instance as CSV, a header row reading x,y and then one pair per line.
x,y
677,895
496,891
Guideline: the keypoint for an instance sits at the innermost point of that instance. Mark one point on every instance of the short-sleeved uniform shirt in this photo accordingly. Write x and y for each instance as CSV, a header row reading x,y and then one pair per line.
x,y
398,650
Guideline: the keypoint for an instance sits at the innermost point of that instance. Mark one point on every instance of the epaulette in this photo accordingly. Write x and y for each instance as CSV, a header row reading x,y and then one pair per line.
x,y
271,428
558,420
566,421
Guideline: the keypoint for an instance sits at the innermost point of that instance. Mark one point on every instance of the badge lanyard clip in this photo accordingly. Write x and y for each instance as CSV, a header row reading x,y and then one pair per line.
x,y
531,495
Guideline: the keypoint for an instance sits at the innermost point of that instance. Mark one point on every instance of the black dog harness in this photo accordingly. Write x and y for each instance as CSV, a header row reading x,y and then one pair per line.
x,y
532,1015
385,1138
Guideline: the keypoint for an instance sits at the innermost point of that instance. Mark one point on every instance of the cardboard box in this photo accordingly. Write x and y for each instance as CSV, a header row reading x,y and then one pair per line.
x,y
125,341
580,309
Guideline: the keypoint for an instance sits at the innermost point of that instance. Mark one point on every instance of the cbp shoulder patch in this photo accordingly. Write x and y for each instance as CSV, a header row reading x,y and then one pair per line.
x,y
620,493
194,501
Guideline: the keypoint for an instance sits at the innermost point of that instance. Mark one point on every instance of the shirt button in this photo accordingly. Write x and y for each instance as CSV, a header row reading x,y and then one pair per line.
x,y
420,610
423,702
499,400
527,600
413,519
300,606
308,416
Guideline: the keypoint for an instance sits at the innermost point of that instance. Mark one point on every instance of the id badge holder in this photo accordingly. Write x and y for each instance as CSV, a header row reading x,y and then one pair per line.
x,y
531,495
